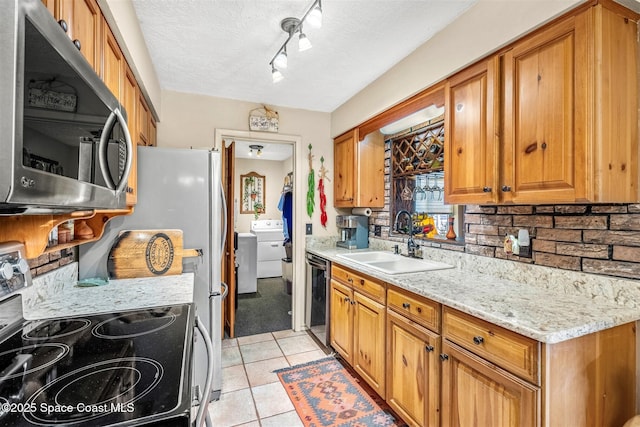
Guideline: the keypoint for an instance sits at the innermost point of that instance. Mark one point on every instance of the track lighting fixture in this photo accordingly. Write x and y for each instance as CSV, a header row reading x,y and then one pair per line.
x,y
313,16
258,149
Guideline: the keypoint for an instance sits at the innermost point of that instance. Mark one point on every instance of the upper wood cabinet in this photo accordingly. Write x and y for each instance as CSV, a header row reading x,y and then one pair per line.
x,y
359,170
142,137
470,141
153,131
130,103
113,64
84,27
551,119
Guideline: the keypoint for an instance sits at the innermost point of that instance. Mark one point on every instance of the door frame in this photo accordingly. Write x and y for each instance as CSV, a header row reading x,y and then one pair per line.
x,y
298,306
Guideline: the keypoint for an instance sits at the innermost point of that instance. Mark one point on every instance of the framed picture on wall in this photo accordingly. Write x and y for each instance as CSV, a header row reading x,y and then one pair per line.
x,y
252,189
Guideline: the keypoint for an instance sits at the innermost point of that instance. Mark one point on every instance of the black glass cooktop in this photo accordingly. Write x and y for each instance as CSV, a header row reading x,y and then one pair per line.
x,y
124,368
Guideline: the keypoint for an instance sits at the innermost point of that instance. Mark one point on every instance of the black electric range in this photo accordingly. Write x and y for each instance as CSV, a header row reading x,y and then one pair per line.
x,y
119,369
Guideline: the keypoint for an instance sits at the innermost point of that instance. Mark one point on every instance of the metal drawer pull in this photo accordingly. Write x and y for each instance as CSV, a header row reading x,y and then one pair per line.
x,y
350,280
444,357
346,299
405,305
362,282
478,340
429,348
419,310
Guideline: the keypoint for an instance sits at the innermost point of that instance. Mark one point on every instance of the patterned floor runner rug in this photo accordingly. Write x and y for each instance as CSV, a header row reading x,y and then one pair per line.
x,y
325,394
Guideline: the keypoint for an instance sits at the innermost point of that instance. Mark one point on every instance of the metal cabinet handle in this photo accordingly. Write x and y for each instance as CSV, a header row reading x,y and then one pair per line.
x,y
429,348
346,299
444,357
350,280
478,340
419,310
362,282
486,189
76,43
406,305
353,302
63,25
506,188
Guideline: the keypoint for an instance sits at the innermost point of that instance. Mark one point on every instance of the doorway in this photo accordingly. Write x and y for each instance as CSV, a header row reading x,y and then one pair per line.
x,y
258,175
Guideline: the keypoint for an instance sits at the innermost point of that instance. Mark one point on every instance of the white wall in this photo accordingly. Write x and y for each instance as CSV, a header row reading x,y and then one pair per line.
x,y
190,120
484,28
274,173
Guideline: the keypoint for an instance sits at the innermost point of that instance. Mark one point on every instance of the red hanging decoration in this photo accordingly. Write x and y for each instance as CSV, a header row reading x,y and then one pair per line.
x,y
323,198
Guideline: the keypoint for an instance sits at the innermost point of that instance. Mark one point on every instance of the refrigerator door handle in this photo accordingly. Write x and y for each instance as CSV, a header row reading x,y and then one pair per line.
x,y
226,290
223,240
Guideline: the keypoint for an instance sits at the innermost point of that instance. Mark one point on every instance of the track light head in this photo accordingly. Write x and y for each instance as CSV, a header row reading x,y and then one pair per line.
x,y
314,18
276,75
303,42
281,59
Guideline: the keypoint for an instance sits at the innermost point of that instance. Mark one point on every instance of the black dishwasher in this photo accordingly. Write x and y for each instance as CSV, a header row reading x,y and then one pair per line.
x,y
318,300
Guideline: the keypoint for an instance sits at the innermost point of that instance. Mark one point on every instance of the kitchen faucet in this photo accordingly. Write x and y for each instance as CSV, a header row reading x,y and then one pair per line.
x,y
411,245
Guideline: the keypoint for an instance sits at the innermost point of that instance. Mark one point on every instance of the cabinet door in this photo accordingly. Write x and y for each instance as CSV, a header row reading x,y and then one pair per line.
x,y
130,102
153,131
369,188
112,64
344,162
478,393
84,20
368,341
540,149
143,121
471,156
412,371
341,320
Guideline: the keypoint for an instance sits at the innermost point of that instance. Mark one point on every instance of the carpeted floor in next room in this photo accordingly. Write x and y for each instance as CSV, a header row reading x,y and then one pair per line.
x,y
267,310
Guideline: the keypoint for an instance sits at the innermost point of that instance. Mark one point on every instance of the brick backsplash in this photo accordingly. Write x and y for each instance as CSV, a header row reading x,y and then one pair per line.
x,y
50,261
600,239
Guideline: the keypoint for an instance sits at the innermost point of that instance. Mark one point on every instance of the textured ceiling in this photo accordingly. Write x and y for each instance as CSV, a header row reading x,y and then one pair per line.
x,y
223,48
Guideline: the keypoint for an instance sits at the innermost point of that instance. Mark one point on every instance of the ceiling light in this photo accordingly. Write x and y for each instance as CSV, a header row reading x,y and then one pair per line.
x,y
281,59
276,75
258,149
303,42
313,15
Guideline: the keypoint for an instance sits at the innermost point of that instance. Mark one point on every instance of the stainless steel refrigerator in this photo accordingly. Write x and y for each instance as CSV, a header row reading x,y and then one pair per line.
x,y
179,189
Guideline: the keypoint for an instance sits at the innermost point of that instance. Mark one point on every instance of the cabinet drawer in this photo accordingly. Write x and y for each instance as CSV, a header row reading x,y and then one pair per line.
x,y
416,308
509,350
359,283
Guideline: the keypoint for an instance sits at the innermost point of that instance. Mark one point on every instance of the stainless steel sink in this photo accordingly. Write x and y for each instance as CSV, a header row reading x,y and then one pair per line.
x,y
391,263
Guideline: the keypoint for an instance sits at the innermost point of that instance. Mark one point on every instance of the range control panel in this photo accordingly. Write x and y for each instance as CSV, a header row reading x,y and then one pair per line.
x,y
14,269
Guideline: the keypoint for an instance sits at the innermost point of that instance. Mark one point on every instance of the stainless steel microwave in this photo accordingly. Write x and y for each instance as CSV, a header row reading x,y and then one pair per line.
x,y
64,142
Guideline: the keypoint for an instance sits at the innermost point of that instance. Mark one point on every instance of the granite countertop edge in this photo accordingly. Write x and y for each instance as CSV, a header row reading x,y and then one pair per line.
x,y
57,295
535,312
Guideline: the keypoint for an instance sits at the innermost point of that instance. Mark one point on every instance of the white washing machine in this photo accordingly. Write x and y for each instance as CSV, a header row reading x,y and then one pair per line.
x,y
270,237
247,259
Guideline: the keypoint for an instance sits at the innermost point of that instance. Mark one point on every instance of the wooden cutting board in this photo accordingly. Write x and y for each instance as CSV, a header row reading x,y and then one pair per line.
x,y
147,253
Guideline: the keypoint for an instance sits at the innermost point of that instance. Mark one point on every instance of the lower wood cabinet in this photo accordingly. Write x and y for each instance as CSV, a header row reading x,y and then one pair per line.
x,y
358,325
443,367
413,371
341,316
478,393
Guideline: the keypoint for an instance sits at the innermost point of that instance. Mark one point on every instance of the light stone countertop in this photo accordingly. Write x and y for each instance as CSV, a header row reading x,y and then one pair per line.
x,y
55,294
549,314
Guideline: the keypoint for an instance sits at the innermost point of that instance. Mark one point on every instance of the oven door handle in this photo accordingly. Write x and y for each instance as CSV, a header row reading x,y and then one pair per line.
x,y
317,264
204,401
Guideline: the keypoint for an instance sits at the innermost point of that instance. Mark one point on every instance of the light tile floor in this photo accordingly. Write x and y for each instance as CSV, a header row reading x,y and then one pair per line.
x,y
252,394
